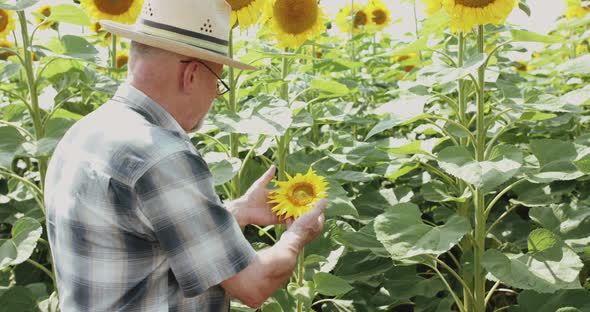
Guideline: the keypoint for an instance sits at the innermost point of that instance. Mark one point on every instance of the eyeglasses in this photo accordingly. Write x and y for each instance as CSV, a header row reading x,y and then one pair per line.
x,y
222,87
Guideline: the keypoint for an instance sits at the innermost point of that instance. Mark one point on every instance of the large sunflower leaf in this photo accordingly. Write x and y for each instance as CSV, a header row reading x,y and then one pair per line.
x,y
531,301
10,141
330,285
68,13
505,162
555,266
570,221
18,6
556,161
25,234
401,230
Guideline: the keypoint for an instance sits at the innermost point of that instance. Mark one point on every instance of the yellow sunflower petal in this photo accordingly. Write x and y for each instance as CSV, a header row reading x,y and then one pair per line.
x,y
298,194
295,21
346,21
432,6
7,23
245,12
122,11
45,11
379,14
466,14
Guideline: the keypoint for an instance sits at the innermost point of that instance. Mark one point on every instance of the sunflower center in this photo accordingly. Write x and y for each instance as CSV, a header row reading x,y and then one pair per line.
x,y
295,16
238,4
113,7
379,17
475,3
46,11
302,194
360,19
3,20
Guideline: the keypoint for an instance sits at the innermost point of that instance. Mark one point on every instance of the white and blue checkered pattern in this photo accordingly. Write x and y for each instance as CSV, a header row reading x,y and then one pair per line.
x,y
133,219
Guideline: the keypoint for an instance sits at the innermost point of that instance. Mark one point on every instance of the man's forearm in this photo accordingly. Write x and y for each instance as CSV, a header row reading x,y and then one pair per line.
x,y
270,269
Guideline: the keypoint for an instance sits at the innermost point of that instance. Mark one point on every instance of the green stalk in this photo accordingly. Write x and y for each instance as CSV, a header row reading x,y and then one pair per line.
x,y
35,111
416,28
234,138
352,51
480,222
114,52
463,208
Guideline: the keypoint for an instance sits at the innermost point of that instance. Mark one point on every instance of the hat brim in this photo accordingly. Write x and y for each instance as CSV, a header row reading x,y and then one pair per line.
x,y
129,31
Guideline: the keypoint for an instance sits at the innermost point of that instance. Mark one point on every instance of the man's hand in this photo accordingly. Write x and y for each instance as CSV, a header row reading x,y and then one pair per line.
x,y
303,230
253,207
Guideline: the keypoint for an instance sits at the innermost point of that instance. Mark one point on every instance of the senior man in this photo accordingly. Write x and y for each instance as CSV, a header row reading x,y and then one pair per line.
x,y
133,219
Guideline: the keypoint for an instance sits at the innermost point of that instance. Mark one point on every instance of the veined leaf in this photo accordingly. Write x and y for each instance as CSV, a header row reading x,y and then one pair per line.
x,y
529,36
544,272
401,230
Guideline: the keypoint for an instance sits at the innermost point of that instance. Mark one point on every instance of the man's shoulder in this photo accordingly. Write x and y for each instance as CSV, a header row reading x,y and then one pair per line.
x,y
120,141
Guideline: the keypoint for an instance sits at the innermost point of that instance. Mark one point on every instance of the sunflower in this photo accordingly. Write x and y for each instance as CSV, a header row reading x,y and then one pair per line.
x,y
432,6
522,67
245,12
360,19
4,55
379,14
7,23
105,36
295,21
122,58
466,14
575,9
122,11
45,11
581,49
298,195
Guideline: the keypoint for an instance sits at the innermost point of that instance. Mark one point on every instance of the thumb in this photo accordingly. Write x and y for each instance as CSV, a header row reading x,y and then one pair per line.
x,y
267,176
317,210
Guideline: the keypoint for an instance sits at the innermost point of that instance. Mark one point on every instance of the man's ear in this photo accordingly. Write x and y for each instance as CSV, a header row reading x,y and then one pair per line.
x,y
189,76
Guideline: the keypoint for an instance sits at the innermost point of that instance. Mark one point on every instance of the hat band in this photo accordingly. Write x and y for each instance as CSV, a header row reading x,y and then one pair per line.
x,y
192,38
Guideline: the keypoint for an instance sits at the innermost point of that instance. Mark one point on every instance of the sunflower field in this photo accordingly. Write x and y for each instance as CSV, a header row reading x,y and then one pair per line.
x,y
457,170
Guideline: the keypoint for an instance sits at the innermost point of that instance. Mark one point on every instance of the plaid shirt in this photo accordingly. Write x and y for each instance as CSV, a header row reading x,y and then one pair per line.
x,y
133,219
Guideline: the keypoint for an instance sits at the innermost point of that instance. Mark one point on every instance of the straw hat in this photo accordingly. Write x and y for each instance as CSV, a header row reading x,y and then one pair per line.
x,y
195,28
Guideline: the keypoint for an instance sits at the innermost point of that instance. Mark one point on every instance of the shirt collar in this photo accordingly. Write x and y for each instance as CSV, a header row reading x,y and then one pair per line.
x,y
156,114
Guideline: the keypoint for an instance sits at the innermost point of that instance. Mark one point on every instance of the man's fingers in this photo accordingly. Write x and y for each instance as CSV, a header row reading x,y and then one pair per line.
x,y
267,176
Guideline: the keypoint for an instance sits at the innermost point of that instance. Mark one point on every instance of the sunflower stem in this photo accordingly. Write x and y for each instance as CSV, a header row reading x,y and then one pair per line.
x,y
234,138
416,28
113,52
480,222
300,276
463,208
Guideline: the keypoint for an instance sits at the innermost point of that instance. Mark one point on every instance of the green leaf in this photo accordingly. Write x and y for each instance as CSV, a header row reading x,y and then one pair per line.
x,y
401,230
304,293
393,121
263,115
413,47
544,272
529,36
18,298
437,191
577,66
9,70
25,234
69,13
541,240
78,47
458,161
531,301
19,5
10,142
330,285
583,164
555,159
439,74
55,129
524,7
571,221
353,176
330,86
222,168
8,253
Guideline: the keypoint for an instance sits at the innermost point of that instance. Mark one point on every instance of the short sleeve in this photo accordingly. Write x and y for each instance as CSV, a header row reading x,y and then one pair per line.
x,y
200,237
